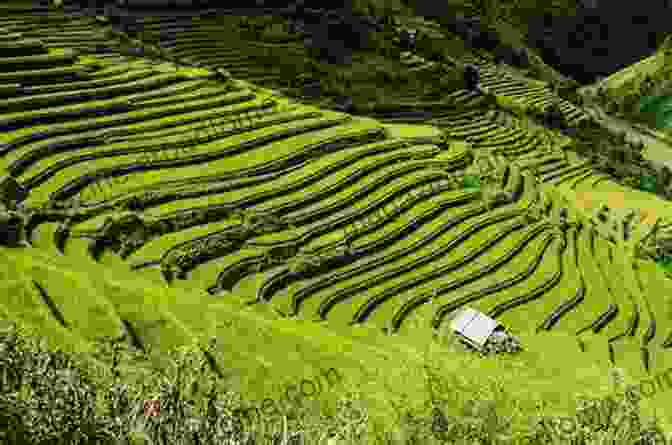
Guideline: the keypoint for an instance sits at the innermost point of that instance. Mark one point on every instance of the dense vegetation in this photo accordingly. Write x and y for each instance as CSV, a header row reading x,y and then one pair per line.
x,y
51,397
339,198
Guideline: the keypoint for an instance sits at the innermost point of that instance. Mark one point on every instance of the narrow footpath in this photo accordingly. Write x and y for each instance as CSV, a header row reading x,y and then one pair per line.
x,y
587,198
656,149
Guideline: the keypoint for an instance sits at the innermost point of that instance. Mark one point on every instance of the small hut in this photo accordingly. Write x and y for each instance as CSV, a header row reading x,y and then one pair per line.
x,y
482,333
473,327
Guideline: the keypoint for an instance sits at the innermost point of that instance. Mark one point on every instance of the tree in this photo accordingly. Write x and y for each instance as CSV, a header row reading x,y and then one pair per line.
x,y
471,75
406,39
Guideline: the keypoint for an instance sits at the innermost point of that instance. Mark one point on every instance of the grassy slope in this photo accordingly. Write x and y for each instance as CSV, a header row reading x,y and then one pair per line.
x,y
255,348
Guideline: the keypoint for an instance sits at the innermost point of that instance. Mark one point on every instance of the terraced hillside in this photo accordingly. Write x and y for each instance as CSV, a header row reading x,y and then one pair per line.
x,y
162,198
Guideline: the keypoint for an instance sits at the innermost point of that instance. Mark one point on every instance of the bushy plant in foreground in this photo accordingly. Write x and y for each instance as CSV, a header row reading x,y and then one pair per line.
x,y
50,398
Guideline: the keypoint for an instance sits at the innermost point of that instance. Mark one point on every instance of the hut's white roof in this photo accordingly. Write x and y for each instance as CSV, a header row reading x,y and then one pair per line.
x,y
474,325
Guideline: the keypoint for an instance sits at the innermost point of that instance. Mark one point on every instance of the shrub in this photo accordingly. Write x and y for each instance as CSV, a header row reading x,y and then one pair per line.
x,y
47,398
472,181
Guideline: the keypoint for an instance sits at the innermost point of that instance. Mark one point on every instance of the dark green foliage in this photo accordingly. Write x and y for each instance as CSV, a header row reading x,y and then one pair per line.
x,y
665,262
12,227
471,77
648,183
471,181
326,43
50,380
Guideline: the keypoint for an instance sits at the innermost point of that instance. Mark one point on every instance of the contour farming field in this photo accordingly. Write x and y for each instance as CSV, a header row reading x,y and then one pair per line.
x,y
174,203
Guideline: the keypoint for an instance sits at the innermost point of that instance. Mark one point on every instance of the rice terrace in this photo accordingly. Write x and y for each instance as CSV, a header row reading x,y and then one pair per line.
x,y
309,217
